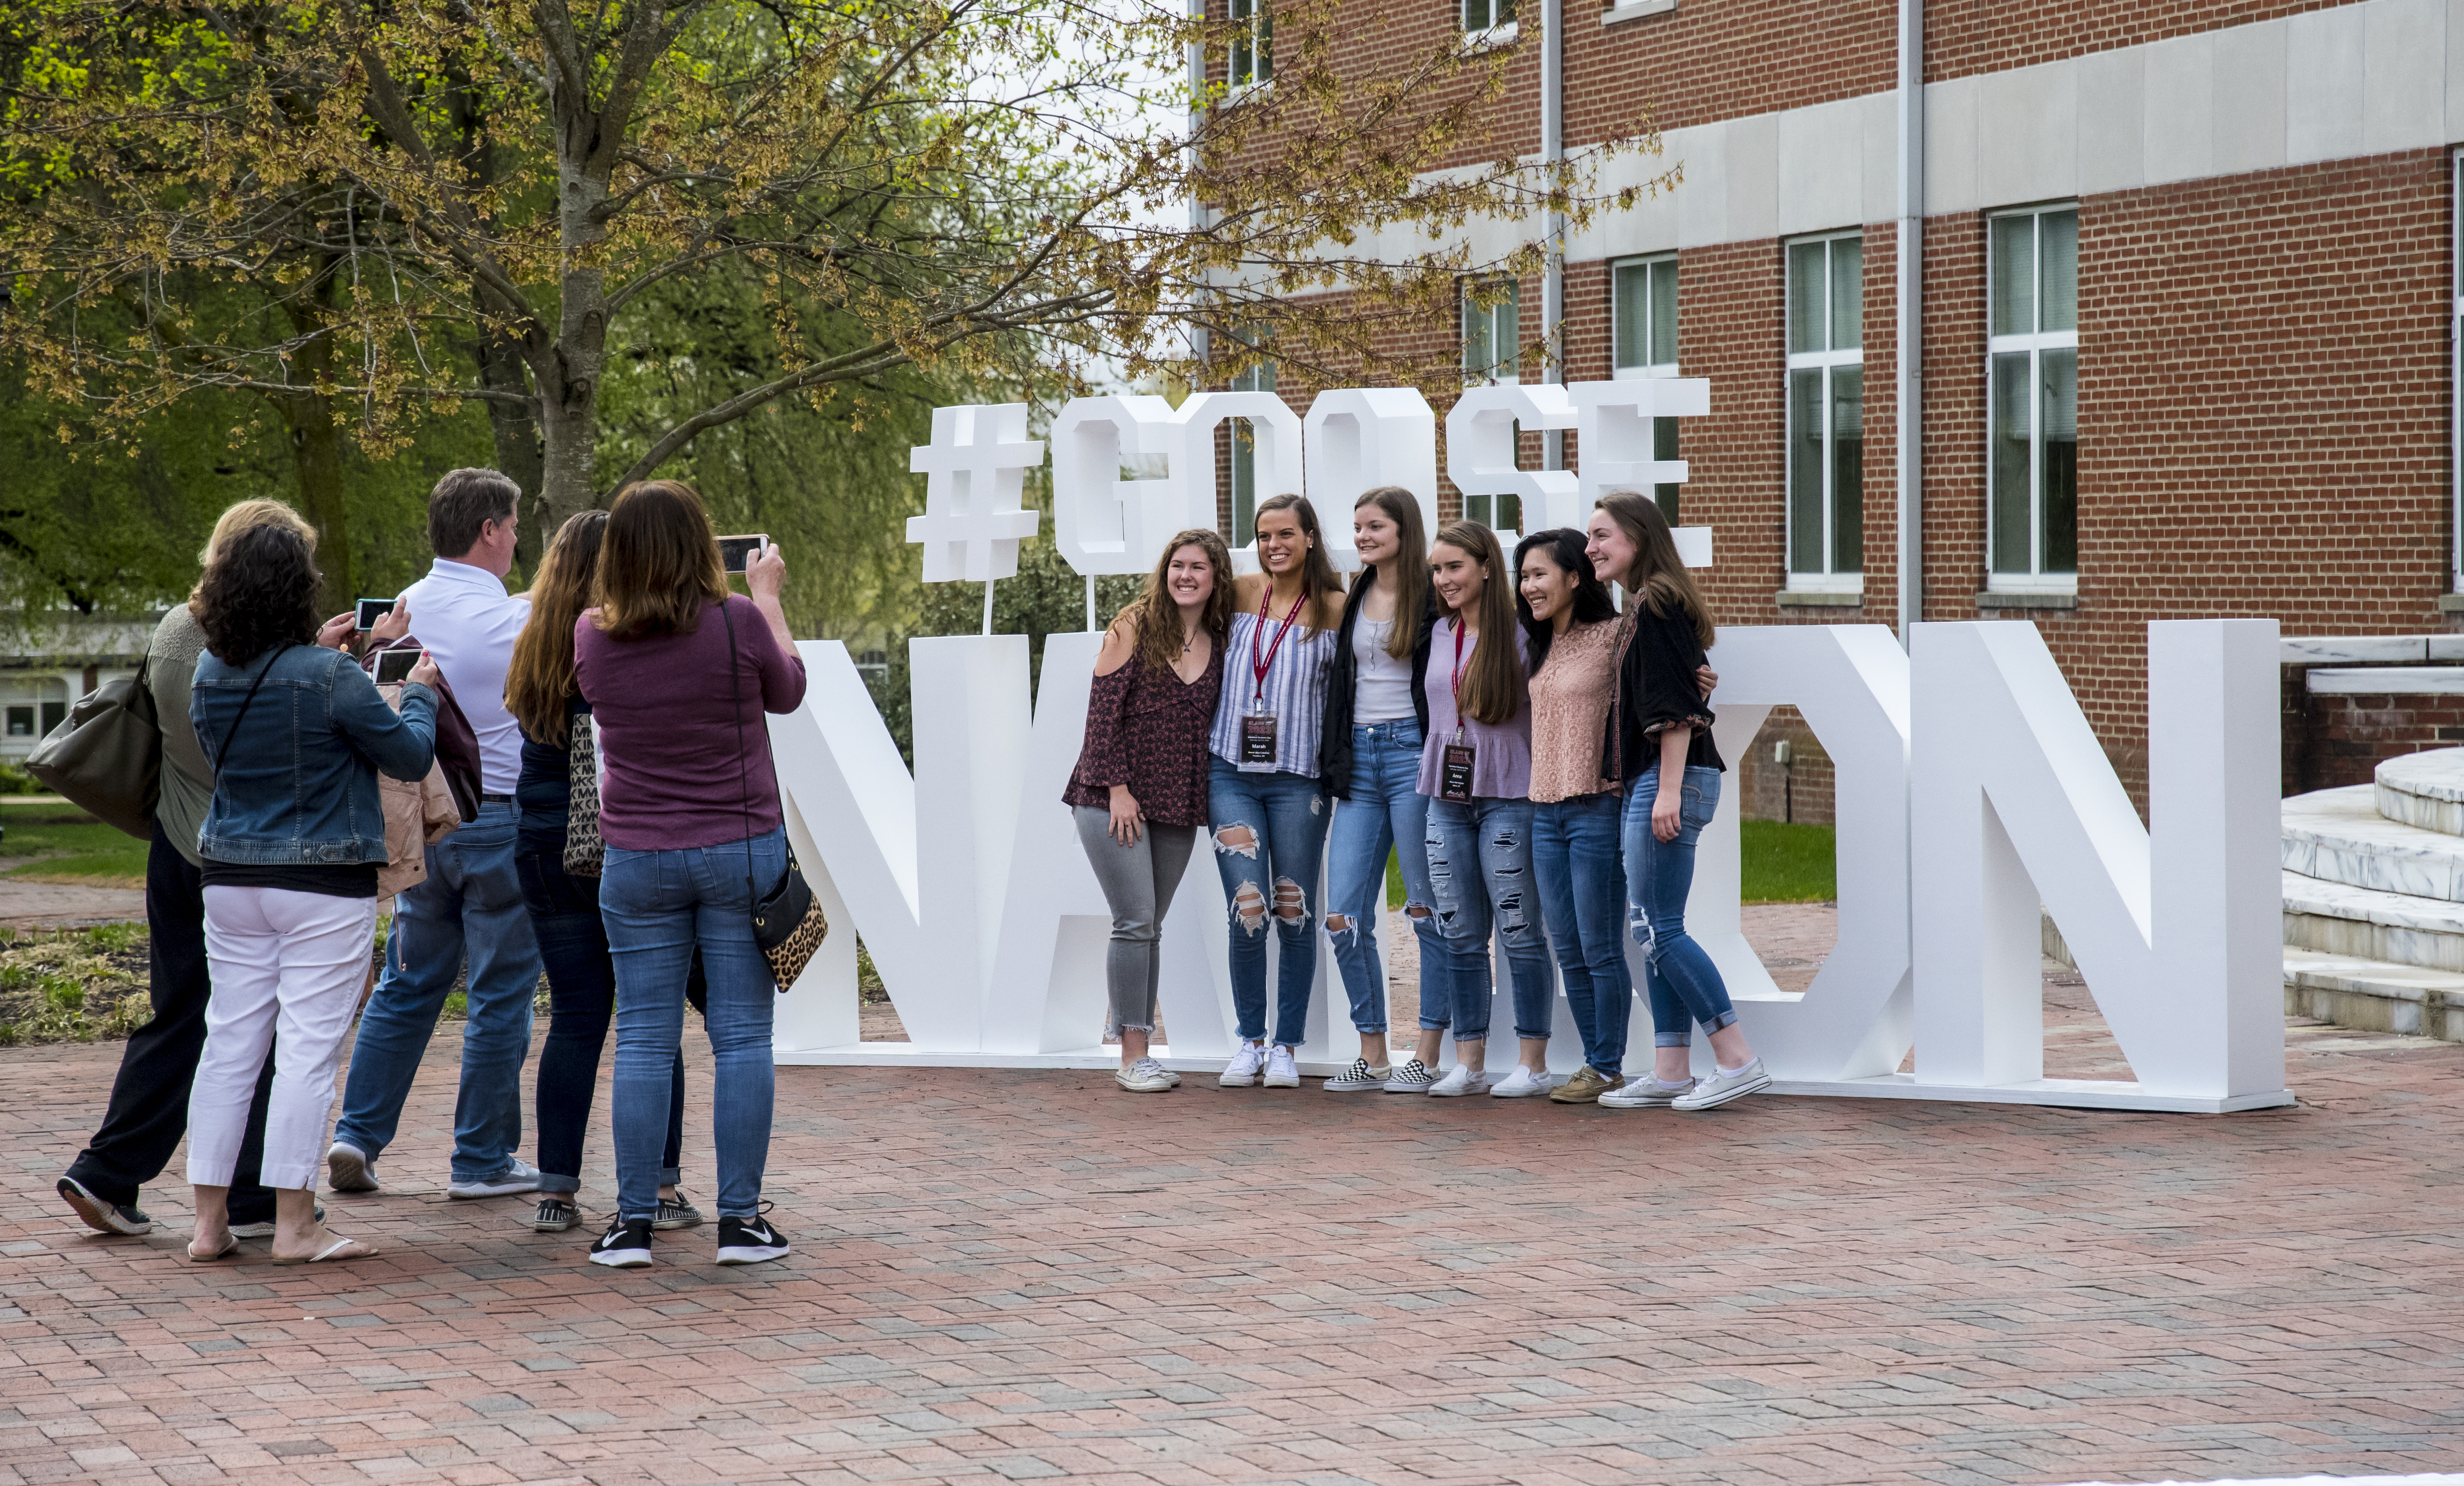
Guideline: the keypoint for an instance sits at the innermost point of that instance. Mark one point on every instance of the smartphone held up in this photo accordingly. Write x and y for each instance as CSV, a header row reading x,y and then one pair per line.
x,y
394,666
370,612
737,553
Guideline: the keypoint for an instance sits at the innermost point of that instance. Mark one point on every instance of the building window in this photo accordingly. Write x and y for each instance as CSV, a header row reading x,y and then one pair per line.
x,y
1492,333
1258,377
1480,16
2032,385
55,713
21,721
1253,43
1826,413
1642,319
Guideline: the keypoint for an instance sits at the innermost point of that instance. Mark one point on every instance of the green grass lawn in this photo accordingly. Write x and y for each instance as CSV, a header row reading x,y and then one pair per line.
x,y
1783,864
69,843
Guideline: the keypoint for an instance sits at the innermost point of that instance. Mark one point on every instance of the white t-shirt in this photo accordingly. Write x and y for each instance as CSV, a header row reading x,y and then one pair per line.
x,y
1381,688
467,620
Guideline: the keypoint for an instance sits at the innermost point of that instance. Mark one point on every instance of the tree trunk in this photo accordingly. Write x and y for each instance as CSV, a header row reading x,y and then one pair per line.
x,y
316,457
517,435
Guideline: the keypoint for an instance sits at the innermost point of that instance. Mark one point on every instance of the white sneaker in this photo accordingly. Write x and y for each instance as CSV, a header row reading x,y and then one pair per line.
x,y
1460,1080
1644,1091
1520,1084
519,1177
1146,1075
348,1169
1721,1087
1282,1073
1243,1071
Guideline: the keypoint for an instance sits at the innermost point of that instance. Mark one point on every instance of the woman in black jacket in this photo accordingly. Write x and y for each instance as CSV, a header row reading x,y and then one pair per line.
x,y
1368,758
1659,745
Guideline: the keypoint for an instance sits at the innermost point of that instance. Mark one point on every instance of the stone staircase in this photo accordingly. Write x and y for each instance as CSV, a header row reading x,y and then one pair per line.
x,y
2374,899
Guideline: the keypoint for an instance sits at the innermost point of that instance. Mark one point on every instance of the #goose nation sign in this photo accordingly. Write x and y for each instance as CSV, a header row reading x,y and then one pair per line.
x,y
1972,794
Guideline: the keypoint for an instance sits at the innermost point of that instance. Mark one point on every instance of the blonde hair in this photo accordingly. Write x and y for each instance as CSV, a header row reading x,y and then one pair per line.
x,y
243,517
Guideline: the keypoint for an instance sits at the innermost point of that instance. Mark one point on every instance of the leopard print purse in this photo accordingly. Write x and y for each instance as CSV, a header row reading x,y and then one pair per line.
x,y
583,850
788,923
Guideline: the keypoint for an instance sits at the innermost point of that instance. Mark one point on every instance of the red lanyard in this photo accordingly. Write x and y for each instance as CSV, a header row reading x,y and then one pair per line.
x,y
1457,680
1257,667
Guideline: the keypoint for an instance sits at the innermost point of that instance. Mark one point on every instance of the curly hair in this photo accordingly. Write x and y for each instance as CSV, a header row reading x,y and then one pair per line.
x,y
260,592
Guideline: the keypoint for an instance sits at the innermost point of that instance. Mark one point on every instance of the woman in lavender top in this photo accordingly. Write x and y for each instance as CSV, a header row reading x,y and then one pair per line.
x,y
1476,768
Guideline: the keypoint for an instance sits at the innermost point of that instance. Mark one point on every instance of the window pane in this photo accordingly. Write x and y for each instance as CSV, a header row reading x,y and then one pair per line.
x,y
55,713
1242,59
2061,239
1509,513
1805,275
1265,44
1631,302
2013,517
2060,393
1509,335
1663,313
1475,15
1500,11
1663,446
1476,509
1847,293
1478,357
1805,472
2014,276
1848,470
1245,484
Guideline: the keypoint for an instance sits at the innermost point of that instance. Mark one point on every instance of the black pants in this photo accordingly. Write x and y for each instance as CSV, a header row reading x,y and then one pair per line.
x,y
149,1100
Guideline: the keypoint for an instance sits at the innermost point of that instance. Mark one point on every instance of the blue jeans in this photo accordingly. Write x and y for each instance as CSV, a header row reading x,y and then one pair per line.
x,y
1386,808
1683,983
582,1001
1278,822
471,903
1578,864
658,907
1480,881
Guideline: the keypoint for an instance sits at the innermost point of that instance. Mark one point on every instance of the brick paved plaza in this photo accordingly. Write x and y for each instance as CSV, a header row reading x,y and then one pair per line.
x,y
1031,1274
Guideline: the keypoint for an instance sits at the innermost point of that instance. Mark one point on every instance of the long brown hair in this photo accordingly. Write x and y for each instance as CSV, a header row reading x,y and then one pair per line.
x,y
1318,578
659,568
541,678
1658,578
1492,683
1410,565
1152,619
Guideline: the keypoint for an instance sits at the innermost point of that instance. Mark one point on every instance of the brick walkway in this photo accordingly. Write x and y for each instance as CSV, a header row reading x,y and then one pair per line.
x,y
1030,1274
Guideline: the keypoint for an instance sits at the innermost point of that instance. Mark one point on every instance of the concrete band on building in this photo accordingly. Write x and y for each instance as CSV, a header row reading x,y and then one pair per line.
x,y
2188,304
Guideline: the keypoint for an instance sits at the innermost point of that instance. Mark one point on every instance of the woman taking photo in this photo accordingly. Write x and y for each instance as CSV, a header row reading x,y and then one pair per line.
x,y
678,674
1264,798
1475,769
295,734
1139,790
1660,742
1576,857
564,908
1368,758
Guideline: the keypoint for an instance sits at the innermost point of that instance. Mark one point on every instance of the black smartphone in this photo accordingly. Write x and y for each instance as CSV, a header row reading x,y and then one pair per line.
x,y
372,610
394,665
734,553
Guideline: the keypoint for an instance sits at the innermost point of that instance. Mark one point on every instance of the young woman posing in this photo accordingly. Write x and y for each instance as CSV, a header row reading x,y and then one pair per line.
x,y
1368,758
1475,769
1659,740
1576,862
1262,790
1139,790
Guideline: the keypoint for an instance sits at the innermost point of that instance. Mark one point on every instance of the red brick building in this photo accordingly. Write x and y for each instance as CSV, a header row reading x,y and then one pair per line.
x,y
2184,308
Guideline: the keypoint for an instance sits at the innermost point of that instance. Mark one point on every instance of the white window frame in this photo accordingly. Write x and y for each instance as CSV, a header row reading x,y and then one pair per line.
x,y
1511,360
1668,496
1826,580
1490,33
1256,40
2035,580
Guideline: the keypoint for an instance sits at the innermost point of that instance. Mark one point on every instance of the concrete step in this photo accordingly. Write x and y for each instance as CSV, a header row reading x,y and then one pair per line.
x,y
2374,994
2339,919
2423,789
2338,835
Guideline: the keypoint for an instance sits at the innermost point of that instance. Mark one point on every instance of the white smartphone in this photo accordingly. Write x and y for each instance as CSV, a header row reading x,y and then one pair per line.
x,y
734,552
394,666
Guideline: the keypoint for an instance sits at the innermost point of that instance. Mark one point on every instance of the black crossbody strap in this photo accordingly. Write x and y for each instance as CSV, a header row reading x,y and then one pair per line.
x,y
743,768
232,736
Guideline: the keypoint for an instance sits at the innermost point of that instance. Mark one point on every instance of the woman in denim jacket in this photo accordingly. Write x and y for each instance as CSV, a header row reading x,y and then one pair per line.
x,y
290,845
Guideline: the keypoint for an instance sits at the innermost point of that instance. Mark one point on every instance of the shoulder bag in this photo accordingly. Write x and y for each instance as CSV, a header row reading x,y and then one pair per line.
x,y
583,850
107,755
787,923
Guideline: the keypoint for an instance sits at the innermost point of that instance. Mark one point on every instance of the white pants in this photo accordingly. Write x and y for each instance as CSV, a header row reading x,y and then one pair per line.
x,y
298,958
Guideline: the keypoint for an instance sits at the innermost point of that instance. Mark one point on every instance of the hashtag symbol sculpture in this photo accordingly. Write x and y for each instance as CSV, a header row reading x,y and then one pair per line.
x,y
976,469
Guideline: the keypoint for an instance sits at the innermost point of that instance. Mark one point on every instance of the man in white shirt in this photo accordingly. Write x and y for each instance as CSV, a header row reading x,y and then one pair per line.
x,y
473,898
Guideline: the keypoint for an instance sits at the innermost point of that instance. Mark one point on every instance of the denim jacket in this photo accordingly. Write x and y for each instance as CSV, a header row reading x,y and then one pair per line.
x,y
300,781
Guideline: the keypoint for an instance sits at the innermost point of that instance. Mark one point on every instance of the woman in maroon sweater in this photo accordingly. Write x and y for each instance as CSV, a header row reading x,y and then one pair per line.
x,y
1139,790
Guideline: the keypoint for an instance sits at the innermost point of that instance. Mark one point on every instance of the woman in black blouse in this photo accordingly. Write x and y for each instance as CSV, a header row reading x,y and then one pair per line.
x,y
1139,790
1659,744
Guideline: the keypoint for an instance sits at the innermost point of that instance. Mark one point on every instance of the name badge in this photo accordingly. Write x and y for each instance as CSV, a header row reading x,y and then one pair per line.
x,y
1454,773
1257,743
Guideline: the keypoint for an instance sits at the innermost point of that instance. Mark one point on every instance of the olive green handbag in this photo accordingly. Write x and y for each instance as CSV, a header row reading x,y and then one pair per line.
x,y
107,755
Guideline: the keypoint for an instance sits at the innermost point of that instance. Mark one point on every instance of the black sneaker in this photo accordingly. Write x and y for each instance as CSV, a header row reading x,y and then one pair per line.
x,y
677,1212
749,1241
555,1215
625,1246
120,1218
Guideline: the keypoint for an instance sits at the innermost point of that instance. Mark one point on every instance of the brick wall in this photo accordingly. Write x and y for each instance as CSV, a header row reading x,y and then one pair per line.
x,y
1712,60
1976,38
1800,790
2340,739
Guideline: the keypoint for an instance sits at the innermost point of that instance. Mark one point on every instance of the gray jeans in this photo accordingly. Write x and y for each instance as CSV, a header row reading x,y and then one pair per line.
x,y
1137,882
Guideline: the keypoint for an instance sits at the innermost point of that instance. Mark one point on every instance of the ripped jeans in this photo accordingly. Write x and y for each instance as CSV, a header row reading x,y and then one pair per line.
x,y
1683,984
1480,880
1385,809
1269,829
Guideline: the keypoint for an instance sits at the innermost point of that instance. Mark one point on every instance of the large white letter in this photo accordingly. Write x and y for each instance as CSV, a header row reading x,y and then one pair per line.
x,y
1480,454
1359,438
1101,523
976,469
1276,431
1613,428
